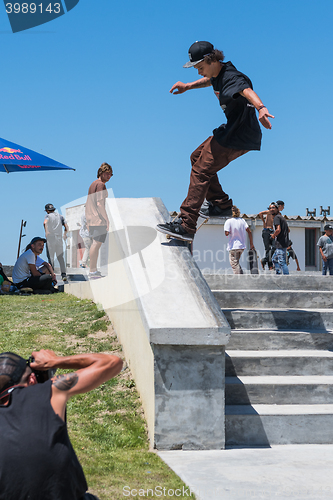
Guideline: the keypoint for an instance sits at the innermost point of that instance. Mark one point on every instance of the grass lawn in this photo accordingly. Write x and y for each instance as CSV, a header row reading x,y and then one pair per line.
x,y
106,426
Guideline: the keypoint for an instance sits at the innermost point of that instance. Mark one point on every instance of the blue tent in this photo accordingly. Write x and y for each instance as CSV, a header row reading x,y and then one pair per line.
x,y
15,158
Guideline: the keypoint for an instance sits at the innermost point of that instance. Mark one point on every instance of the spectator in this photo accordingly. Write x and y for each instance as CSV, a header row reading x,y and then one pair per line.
x,y
97,219
280,205
291,255
325,244
281,237
32,271
267,219
3,274
53,224
236,229
87,241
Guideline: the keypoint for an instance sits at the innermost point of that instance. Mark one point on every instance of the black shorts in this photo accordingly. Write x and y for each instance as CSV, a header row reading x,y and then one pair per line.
x,y
98,233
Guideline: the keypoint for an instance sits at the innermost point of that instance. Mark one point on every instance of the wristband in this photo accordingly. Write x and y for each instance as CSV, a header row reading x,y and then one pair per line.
x,y
261,107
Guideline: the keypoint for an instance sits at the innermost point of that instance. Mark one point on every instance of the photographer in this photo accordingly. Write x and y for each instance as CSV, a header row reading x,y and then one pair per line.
x,y
37,459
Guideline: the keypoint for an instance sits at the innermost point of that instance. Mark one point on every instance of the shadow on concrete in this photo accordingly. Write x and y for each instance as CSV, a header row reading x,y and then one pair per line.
x,y
77,277
244,428
286,319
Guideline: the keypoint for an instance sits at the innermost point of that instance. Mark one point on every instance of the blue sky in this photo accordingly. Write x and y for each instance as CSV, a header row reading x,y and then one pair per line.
x,y
93,86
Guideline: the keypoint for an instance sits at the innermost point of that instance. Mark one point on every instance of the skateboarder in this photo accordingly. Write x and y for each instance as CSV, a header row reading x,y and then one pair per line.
x,y
239,135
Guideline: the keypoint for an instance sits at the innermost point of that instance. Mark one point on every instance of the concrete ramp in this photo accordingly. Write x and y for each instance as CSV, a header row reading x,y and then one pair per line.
x,y
171,327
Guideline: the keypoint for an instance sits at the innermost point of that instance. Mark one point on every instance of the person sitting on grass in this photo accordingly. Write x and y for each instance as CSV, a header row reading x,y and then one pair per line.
x,y
2,273
30,271
37,459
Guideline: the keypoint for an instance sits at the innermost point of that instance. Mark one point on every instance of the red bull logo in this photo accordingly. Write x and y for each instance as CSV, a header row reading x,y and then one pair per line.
x,y
14,157
11,150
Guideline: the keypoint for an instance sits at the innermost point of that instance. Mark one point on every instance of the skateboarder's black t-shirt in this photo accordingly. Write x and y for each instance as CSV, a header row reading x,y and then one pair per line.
x,y
242,130
282,239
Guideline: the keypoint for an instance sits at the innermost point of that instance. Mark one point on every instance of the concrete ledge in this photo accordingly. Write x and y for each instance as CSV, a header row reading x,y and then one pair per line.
x,y
166,318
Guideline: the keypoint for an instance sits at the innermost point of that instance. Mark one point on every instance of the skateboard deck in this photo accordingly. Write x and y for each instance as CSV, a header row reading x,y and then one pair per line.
x,y
253,261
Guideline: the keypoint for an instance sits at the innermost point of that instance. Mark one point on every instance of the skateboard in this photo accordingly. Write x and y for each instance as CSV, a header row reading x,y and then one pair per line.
x,y
187,243
253,261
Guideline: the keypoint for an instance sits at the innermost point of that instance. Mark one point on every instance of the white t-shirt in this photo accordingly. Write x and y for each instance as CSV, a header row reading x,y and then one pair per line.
x,y
21,270
236,226
55,222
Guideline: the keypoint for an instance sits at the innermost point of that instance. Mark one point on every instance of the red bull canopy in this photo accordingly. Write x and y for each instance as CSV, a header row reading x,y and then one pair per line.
x,y
15,158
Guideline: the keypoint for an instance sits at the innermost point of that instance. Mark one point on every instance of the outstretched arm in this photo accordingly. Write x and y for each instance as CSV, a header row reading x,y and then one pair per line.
x,y
180,87
254,99
92,371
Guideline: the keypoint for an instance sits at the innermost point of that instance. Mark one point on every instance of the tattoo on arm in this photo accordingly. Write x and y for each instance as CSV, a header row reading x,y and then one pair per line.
x,y
65,382
200,85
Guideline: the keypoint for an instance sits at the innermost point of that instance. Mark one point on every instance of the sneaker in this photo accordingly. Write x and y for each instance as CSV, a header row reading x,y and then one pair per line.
x,y
95,275
209,210
63,277
24,291
175,230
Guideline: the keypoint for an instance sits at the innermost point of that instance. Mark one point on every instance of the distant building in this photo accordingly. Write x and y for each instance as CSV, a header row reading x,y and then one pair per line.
x,y
210,243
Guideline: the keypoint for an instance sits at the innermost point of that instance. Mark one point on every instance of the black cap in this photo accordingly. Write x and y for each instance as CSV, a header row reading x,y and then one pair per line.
x,y
328,227
49,206
280,202
274,204
197,52
37,238
12,368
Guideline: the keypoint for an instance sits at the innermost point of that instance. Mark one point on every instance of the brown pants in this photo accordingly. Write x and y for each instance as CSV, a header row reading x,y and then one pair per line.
x,y
206,161
234,256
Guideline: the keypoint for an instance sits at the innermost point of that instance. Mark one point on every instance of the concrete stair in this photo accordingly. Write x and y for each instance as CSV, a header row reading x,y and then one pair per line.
x,y
279,361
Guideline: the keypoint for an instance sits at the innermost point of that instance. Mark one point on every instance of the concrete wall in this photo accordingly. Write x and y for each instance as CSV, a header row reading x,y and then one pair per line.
x,y
171,328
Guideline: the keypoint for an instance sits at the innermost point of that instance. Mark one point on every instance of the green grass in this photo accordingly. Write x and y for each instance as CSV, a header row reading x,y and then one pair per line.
x,y
106,426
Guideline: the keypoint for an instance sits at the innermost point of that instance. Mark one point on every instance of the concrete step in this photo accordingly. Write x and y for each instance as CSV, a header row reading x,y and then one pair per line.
x,y
274,299
280,319
277,390
268,282
280,339
264,425
248,363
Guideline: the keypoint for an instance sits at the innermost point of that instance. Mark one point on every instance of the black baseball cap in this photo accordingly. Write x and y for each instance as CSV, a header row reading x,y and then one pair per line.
x,y
12,368
328,227
35,239
49,206
197,52
274,205
280,202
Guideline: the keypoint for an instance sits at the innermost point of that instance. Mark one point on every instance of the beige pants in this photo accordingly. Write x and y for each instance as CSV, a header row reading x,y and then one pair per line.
x,y
234,256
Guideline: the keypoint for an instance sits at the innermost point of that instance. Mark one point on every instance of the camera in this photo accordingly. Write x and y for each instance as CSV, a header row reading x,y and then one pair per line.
x,y
41,375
